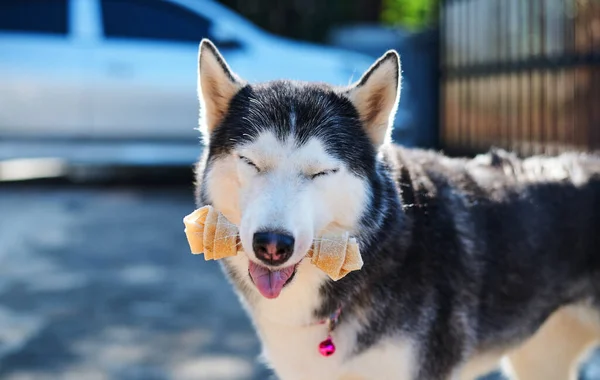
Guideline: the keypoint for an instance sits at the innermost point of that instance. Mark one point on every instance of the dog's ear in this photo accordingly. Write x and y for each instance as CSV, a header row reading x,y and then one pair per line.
x,y
376,97
217,84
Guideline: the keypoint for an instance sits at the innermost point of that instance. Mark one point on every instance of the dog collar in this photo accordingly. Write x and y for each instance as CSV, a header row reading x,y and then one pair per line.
x,y
327,347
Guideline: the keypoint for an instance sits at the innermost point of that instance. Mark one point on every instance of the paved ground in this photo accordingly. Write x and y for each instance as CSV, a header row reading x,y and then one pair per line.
x,y
98,283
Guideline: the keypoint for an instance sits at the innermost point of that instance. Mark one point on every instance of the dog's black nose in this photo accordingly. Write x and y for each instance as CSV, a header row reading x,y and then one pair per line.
x,y
273,248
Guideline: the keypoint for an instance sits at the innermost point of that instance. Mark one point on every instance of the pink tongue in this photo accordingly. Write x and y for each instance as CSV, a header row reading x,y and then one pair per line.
x,y
269,283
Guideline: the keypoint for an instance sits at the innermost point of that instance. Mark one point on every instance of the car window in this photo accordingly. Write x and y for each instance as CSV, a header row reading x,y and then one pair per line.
x,y
152,20
34,16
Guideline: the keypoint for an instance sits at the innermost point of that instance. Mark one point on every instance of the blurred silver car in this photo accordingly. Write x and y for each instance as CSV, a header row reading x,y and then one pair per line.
x,y
114,81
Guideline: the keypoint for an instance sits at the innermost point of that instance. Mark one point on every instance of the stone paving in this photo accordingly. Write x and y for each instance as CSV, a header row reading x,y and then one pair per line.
x,y
97,282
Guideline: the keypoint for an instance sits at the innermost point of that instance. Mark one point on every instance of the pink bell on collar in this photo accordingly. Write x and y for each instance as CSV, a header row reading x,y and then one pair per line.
x,y
326,347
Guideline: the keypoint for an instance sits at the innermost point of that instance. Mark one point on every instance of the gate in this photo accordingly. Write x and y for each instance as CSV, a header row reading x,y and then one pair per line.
x,y
520,74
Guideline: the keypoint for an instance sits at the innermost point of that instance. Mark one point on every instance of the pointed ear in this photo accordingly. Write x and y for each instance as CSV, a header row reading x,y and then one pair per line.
x,y
376,96
217,85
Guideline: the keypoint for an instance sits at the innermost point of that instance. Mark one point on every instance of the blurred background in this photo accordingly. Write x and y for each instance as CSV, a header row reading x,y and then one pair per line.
x,y
98,111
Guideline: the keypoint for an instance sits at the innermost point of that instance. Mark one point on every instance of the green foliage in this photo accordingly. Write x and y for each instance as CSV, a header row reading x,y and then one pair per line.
x,y
411,14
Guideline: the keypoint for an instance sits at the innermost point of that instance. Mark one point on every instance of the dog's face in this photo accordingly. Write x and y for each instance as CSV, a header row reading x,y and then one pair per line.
x,y
288,162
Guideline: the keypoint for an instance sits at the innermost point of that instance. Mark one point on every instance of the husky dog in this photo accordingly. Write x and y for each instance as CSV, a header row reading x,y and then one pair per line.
x,y
464,260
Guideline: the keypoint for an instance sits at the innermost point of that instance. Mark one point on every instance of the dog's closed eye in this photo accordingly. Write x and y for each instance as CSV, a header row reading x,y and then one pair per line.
x,y
249,162
323,173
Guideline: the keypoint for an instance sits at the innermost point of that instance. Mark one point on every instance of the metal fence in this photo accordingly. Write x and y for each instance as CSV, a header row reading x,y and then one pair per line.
x,y
520,74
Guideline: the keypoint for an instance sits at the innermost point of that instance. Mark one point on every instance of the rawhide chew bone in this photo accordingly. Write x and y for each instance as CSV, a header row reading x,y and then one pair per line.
x,y
336,255
209,232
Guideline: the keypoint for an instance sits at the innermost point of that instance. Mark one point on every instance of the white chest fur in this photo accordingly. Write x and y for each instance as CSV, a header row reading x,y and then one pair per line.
x,y
293,353
290,337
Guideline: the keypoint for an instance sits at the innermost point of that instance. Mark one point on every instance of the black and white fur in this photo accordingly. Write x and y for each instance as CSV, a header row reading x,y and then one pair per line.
x,y
464,260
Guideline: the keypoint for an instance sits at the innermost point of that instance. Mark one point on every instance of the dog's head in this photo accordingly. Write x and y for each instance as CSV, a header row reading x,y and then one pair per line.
x,y
288,161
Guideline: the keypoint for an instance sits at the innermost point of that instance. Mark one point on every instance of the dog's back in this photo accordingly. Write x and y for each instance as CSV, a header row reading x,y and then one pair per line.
x,y
529,230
